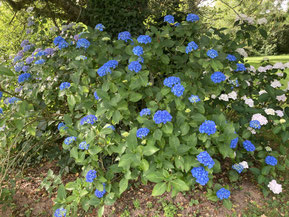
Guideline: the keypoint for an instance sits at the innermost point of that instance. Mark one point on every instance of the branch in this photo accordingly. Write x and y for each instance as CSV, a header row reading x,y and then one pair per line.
x,y
52,15
225,3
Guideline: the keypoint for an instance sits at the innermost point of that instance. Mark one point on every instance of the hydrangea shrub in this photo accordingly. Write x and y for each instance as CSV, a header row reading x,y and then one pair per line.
x,y
168,107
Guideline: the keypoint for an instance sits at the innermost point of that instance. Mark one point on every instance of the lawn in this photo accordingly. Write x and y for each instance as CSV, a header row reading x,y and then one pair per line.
x,y
256,62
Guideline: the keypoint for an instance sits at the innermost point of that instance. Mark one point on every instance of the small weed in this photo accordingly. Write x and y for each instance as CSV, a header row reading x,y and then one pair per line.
x,y
136,204
193,202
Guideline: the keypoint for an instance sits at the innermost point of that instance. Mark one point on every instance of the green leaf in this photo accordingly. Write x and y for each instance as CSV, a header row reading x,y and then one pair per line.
x,y
123,185
263,33
227,203
5,71
100,211
74,153
165,59
180,185
116,117
155,176
158,134
168,128
132,139
126,160
149,150
134,97
159,189
61,193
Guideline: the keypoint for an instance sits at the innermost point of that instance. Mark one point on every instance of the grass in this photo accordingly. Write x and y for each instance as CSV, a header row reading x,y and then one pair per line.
x,y
256,62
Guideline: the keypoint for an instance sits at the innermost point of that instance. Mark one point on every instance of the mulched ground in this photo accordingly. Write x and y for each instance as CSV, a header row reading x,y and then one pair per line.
x,y
30,200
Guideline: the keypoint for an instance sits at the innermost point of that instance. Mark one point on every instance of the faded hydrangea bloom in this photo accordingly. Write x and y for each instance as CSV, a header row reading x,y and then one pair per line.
x,y
279,113
233,95
242,52
244,164
270,111
224,97
275,83
275,187
281,98
262,119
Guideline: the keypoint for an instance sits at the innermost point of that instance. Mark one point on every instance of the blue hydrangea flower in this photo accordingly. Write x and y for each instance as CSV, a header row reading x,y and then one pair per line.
x,y
23,77
208,127
134,66
125,36
88,119
223,194
62,126
111,127
270,160
60,212
1,111
145,111
106,68
20,53
41,61
192,18
234,142
99,27
169,19
96,96
48,51
142,132
248,145
100,194
255,124
178,90
17,58
64,85
62,45
18,67
11,100
201,175
144,39
231,58
140,59
170,81
58,40
81,57
205,158
69,140
40,53
191,45
234,82
26,48
83,146
212,53
194,99
29,60
90,176
138,50
240,67
218,77
162,117
24,43
1,94
82,43
238,167
25,68
177,24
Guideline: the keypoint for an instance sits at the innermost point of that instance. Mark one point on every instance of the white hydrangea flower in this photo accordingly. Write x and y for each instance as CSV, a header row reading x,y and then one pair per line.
x,y
29,9
242,52
279,113
252,69
262,69
262,21
224,97
205,72
233,95
249,102
244,164
275,187
244,97
261,92
275,83
268,67
252,130
248,83
281,98
262,119
270,111
267,148
213,96
278,66
286,65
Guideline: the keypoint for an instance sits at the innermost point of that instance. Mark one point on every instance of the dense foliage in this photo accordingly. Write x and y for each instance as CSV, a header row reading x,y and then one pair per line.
x,y
174,107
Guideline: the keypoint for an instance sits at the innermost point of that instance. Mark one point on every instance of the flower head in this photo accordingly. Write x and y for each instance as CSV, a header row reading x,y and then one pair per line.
x,y
201,175
218,77
169,19
88,119
23,77
178,90
99,27
191,46
248,145
162,117
29,60
262,119
144,39
170,81
64,85
192,18
194,99
255,124
234,142
134,66
58,40
231,57
223,194
106,68
275,187
62,126
69,140
83,146
60,212
142,132
212,53
238,167
90,176
240,67
124,36
96,96
206,159
270,160
100,194
208,127
145,111
39,62
82,43
138,50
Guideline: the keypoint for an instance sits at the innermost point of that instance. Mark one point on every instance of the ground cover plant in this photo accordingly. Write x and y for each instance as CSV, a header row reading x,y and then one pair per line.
x,y
175,107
